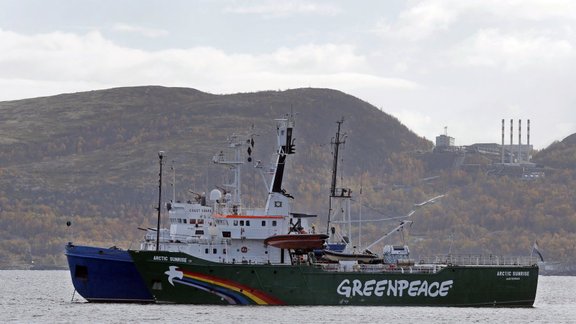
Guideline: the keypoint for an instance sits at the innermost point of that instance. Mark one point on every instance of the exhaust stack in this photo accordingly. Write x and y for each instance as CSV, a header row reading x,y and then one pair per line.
x,y
519,140
528,138
502,151
511,140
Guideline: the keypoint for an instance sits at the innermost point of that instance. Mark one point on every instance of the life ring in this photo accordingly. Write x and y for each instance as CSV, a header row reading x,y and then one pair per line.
x,y
244,249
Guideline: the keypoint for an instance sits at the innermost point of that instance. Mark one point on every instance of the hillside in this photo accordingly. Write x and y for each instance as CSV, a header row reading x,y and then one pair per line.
x,y
560,154
91,158
72,143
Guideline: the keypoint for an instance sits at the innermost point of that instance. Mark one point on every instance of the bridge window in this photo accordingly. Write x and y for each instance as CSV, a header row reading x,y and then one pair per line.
x,y
241,223
214,251
247,223
263,223
274,223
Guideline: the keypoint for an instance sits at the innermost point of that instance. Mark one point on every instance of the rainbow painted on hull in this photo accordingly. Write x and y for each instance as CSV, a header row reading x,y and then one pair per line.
x,y
232,292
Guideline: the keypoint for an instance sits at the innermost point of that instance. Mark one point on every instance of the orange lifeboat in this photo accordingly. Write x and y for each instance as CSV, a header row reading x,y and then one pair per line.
x,y
297,241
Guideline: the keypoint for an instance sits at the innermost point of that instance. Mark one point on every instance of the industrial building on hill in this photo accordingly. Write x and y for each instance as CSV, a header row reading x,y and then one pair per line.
x,y
506,159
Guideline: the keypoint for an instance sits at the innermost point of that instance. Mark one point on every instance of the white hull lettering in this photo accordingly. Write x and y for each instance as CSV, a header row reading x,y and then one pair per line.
x,y
177,259
394,288
513,273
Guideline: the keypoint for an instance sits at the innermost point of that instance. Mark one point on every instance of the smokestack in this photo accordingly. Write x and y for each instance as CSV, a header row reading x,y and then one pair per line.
x,y
502,151
511,140
519,131
528,151
519,140
528,137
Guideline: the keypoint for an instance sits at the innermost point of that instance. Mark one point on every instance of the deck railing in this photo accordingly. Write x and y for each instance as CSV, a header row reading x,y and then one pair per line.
x,y
480,260
375,268
433,264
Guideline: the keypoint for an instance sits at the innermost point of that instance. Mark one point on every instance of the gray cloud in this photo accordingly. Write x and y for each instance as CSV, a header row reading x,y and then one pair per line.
x,y
431,63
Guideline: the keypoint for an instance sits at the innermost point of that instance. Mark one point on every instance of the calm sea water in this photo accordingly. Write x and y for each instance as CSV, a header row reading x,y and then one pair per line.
x,y
47,297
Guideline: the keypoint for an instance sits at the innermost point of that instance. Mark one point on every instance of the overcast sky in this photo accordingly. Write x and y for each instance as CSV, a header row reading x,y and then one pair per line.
x,y
464,64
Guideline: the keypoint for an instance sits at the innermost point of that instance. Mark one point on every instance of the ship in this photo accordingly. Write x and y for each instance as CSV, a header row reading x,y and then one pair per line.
x,y
274,257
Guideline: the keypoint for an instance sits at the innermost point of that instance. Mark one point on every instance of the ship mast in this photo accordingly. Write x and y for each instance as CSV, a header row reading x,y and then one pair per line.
x,y
236,143
336,142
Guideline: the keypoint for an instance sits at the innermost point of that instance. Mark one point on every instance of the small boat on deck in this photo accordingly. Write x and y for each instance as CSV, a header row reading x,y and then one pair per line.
x,y
335,256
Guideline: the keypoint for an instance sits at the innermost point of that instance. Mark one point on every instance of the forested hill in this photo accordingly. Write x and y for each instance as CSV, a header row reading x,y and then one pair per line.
x,y
78,142
115,120
560,154
91,157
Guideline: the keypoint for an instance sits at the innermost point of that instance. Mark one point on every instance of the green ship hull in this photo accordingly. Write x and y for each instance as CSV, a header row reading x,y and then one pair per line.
x,y
174,277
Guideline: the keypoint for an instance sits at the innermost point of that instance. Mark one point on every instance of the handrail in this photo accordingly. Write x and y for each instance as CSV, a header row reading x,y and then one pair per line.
x,y
480,260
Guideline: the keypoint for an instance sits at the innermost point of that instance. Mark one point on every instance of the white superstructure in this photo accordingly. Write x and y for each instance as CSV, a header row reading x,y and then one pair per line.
x,y
218,228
